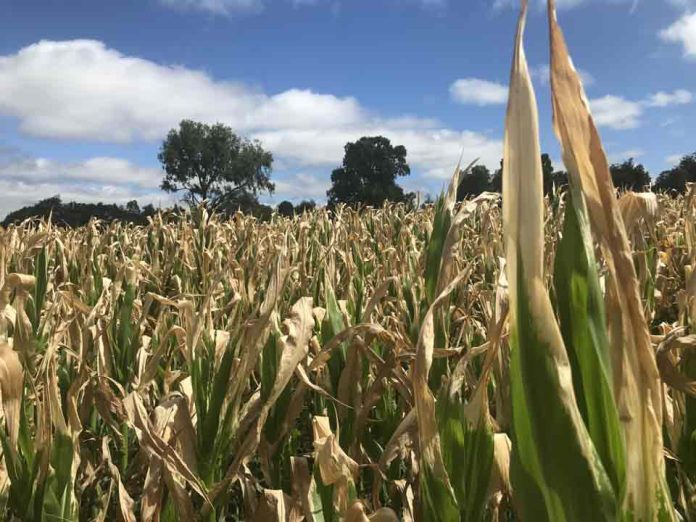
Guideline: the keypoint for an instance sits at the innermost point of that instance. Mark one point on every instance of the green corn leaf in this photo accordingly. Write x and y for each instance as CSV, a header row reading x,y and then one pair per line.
x,y
324,495
467,452
580,305
557,474
58,501
333,324
553,447
41,275
436,242
437,502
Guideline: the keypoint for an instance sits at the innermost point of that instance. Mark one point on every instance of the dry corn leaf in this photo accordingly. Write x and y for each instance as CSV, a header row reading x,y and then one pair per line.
x,y
11,388
636,378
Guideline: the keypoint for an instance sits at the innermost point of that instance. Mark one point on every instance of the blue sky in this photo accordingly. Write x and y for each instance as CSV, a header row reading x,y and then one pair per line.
x,y
89,89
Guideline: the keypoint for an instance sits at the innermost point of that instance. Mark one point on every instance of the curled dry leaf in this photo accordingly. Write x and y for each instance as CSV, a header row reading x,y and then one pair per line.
x,y
636,378
335,466
636,206
11,388
126,504
668,356
271,507
356,513
151,441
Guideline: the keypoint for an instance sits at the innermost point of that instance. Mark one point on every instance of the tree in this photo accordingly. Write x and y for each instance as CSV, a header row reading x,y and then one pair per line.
x,y
286,209
211,164
305,206
547,173
675,179
133,207
474,182
629,176
370,168
497,179
559,178
672,180
549,176
73,214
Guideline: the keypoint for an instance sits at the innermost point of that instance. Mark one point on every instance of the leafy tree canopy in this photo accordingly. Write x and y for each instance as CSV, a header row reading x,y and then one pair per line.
x,y
211,164
473,182
368,175
305,206
549,176
629,176
285,208
675,179
78,214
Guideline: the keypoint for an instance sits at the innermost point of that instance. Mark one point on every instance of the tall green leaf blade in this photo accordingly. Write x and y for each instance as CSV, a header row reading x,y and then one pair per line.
x,y
552,444
467,452
580,307
553,447
437,502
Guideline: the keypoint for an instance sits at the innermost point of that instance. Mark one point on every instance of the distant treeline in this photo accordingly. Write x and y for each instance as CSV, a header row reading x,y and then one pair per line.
x,y
229,172
627,175
77,214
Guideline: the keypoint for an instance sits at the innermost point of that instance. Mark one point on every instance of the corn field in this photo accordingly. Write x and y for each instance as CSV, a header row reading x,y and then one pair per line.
x,y
527,358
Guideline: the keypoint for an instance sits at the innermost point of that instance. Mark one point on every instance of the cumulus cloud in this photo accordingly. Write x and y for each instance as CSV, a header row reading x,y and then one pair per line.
x,y
235,7
433,4
616,112
564,4
683,4
619,113
673,159
664,99
542,73
83,90
98,170
216,7
478,92
25,180
682,31
301,186
617,157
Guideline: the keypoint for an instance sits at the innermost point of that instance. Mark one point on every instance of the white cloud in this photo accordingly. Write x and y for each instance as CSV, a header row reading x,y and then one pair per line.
x,y
216,7
232,7
664,99
25,180
683,32
542,73
85,91
619,113
478,92
673,159
81,89
684,5
617,157
432,151
105,170
18,194
437,4
616,112
301,186
564,4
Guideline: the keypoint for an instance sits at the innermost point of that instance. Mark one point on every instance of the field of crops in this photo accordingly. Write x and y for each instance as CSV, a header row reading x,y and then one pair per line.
x,y
491,360
251,369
